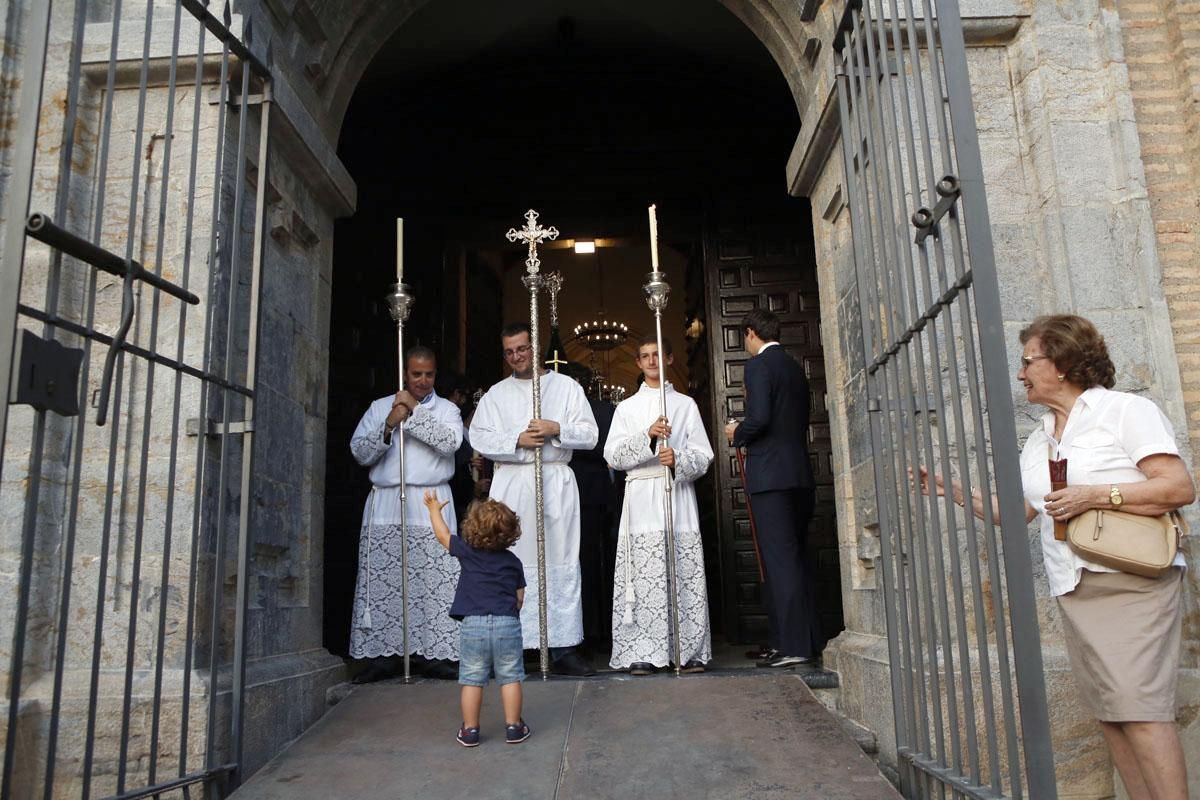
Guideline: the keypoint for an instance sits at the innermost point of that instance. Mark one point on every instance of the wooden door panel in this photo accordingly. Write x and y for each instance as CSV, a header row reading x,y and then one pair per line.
x,y
766,266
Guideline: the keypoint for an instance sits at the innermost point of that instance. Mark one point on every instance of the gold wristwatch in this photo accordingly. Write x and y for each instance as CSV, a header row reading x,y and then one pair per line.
x,y
1114,495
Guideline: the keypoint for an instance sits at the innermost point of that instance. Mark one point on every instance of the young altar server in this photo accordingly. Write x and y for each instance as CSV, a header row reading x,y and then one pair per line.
x,y
641,442
487,600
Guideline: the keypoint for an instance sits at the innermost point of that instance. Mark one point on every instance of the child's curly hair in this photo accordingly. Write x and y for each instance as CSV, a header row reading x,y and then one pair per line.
x,y
490,525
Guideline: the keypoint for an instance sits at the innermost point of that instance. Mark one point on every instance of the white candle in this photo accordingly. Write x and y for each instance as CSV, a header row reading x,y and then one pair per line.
x,y
399,250
653,239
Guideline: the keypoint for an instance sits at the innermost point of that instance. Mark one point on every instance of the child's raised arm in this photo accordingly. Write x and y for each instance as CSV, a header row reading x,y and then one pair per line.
x,y
440,529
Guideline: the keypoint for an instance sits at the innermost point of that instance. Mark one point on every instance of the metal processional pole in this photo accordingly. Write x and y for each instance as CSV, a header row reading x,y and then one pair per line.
x,y
657,292
400,302
533,234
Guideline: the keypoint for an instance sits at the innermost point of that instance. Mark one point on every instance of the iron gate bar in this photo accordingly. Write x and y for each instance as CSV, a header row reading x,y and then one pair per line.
x,y
926,580
227,368
53,292
91,335
901,712
906,309
948,295
959,785
139,524
1035,722
182,782
63,242
201,444
918,326
968,334
185,709
41,227
914,331
19,192
910,620
199,10
900,245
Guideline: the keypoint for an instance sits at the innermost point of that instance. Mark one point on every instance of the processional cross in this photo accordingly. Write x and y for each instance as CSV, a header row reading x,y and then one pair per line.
x,y
533,234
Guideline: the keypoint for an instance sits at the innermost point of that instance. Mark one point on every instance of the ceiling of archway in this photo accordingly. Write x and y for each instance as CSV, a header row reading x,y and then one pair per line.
x,y
447,32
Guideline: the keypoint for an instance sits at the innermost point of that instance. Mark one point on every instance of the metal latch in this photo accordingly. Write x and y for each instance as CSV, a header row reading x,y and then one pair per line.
x,y
46,375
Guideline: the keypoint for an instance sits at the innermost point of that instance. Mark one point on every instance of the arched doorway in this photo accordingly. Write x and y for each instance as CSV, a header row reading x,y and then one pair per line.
x,y
588,114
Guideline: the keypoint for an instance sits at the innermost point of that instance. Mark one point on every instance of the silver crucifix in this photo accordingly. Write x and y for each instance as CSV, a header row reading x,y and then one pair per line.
x,y
533,235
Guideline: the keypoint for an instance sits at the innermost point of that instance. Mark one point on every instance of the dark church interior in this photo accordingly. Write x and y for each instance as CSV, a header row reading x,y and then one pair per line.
x,y
587,112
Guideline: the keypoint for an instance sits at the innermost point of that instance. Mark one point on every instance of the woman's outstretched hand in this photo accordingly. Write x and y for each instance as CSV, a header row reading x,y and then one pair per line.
x,y
926,480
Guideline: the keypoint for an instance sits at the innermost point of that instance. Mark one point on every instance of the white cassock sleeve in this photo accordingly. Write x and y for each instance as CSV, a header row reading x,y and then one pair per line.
x,y
693,452
577,429
367,445
628,445
443,435
493,434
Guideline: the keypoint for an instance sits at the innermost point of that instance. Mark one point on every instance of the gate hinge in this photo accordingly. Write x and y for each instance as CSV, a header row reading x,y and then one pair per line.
x,y
45,375
214,428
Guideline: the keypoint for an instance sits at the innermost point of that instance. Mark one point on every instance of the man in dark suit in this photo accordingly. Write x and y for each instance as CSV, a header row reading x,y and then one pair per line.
x,y
780,484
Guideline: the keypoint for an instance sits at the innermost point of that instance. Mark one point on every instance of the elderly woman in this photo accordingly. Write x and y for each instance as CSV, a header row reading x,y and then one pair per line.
x,y
1122,630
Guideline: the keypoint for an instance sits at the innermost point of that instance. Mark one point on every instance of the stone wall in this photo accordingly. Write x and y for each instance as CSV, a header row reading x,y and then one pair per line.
x,y
1074,229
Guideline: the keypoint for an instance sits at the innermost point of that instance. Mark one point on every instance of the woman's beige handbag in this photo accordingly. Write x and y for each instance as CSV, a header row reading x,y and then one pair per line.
x,y
1127,542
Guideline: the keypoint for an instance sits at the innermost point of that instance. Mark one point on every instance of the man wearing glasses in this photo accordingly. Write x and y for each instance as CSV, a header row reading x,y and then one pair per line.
x,y
503,432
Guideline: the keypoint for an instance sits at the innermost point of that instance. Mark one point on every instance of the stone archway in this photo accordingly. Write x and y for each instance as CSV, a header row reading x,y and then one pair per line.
x,y
329,52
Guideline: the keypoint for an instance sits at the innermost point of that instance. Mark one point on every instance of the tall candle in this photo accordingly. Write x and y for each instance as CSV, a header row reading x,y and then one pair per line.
x,y
653,239
399,250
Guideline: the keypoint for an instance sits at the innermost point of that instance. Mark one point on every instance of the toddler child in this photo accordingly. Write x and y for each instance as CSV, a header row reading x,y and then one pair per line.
x,y
491,590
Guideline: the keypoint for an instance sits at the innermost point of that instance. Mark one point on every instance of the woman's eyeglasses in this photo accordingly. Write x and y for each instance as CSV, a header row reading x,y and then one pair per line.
x,y
1027,361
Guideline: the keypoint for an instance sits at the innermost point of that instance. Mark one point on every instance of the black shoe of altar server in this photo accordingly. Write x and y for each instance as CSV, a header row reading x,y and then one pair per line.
x,y
641,668
442,669
572,664
761,652
782,661
693,665
378,670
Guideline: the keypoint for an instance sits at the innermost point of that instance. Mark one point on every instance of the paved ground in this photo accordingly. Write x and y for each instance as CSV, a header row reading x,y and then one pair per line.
x,y
718,735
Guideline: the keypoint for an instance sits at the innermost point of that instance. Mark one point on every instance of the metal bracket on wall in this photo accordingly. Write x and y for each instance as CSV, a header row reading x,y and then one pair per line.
x,y
924,220
46,375
214,428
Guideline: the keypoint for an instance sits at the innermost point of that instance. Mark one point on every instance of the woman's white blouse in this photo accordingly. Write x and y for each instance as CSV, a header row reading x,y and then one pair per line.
x,y
1106,435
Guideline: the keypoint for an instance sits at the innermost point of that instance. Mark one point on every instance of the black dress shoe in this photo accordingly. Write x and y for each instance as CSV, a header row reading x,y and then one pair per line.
x,y
693,665
377,670
641,668
782,661
443,669
572,664
763,651
767,655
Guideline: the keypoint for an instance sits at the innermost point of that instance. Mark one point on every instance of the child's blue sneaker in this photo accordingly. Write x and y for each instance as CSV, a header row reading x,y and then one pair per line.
x,y
515,734
469,737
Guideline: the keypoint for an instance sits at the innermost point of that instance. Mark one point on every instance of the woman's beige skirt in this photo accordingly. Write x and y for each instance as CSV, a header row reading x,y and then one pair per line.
x,y
1122,635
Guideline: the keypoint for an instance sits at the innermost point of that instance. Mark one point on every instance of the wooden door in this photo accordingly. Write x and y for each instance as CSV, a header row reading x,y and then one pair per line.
x,y
766,265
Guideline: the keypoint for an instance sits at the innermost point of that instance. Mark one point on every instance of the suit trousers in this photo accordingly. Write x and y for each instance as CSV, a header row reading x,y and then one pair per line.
x,y
781,520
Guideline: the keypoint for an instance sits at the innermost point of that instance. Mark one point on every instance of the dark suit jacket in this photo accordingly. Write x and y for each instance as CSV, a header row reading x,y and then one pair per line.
x,y
775,430
589,466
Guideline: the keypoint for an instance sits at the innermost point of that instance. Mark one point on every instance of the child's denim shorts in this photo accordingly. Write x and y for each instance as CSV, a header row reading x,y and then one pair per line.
x,y
490,643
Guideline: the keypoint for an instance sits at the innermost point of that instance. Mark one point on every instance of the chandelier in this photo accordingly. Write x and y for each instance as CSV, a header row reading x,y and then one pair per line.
x,y
602,334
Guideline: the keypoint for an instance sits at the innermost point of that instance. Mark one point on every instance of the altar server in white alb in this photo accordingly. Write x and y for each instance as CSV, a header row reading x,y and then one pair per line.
x,y
433,430
502,430
641,620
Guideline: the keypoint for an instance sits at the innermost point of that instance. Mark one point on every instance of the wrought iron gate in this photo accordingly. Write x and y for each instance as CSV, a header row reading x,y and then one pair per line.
x,y
129,297
966,668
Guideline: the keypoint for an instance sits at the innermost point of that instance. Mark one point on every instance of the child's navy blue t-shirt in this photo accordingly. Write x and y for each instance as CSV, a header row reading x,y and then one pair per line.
x,y
488,582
